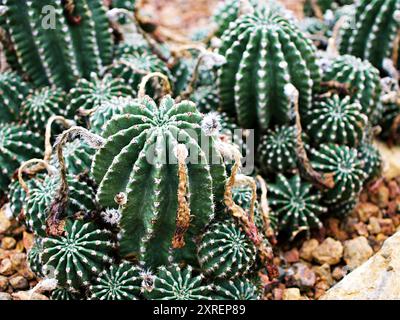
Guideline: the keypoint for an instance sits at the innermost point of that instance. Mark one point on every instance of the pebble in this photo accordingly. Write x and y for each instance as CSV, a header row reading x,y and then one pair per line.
x,y
338,273
320,288
5,296
3,283
8,243
366,210
291,294
330,251
291,256
303,275
356,252
381,196
19,283
387,226
374,226
334,230
6,267
5,223
324,273
27,295
306,250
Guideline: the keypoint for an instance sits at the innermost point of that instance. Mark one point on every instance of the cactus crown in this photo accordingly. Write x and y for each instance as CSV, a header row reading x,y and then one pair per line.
x,y
236,289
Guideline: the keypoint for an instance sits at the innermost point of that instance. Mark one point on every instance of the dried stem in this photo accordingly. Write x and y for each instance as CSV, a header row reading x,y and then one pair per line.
x,y
316,9
332,42
183,213
396,45
47,142
142,87
42,165
269,233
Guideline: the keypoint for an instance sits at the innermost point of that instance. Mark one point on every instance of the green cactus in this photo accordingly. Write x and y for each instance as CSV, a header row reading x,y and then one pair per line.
x,y
81,252
347,170
343,209
206,98
117,282
363,82
372,31
277,150
372,160
34,257
41,105
65,294
175,283
336,120
91,94
55,46
132,67
236,289
13,92
124,4
390,111
225,251
274,54
17,144
78,157
121,168
296,203
42,191
16,197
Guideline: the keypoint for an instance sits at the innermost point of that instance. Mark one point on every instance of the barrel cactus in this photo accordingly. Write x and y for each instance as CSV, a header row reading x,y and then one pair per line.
x,y
17,144
82,251
125,4
175,283
41,105
91,94
372,160
296,203
65,294
390,114
236,289
277,150
343,209
121,169
42,191
34,257
225,251
16,197
346,167
363,82
336,120
56,46
117,282
374,27
13,92
272,52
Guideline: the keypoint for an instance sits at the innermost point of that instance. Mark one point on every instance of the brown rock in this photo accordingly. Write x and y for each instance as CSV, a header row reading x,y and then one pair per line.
x,y
365,210
18,260
373,226
291,294
291,256
394,189
3,283
381,196
8,243
334,230
306,251
6,267
27,295
387,226
330,251
338,273
303,275
356,252
320,288
5,223
278,293
19,283
324,273
5,296
28,240
361,228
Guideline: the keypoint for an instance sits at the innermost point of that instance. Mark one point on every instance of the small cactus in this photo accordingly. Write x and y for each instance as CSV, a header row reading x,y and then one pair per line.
x,y
225,251
16,197
34,257
17,144
117,282
372,160
296,203
336,120
175,283
74,257
347,170
65,294
343,209
237,289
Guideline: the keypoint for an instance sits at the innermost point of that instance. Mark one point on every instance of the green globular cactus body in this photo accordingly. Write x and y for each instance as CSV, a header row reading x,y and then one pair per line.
x,y
343,209
372,160
42,191
17,144
41,105
175,283
390,111
277,150
81,252
296,203
117,282
206,98
13,92
347,170
124,4
34,257
225,251
363,82
336,120
236,289
122,168
91,94
266,54
16,197
65,294
372,31
55,47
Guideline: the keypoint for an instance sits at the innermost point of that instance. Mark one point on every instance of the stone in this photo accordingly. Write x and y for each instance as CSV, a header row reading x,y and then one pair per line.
x,y
303,275
5,223
376,279
373,226
391,155
19,283
333,229
18,260
320,289
387,227
8,243
291,256
3,283
361,229
291,294
28,295
5,296
356,252
278,293
306,250
394,189
366,210
338,273
330,251
381,196
28,240
324,273
6,267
